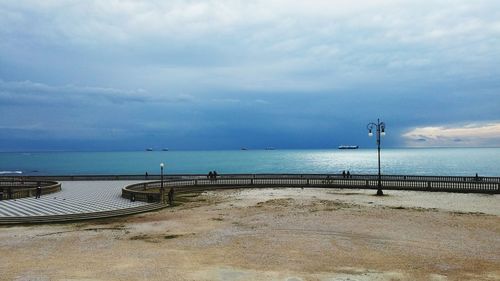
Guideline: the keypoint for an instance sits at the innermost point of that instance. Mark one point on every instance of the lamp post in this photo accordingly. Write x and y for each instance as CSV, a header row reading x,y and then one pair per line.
x,y
161,183
380,127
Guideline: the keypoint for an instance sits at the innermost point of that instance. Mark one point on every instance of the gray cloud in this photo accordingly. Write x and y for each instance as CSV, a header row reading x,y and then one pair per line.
x,y
39,93
269,44
150,69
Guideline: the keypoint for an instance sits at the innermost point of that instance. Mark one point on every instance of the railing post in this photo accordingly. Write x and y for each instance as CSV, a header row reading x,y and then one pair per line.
x,y
429,185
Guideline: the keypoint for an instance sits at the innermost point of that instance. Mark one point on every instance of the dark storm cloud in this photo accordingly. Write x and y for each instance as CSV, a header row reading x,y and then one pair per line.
x,y
215,74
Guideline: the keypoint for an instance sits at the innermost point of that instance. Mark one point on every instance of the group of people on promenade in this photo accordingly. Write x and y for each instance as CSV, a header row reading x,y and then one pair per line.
x,y
346,175
212,175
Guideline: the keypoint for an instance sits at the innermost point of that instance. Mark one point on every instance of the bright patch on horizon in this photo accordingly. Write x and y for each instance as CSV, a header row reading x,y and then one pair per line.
x,y
467,135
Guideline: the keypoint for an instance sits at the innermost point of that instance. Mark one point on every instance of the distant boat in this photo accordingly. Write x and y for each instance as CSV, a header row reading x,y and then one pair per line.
x,y
149,149
12,172
164,149
244,148
348,146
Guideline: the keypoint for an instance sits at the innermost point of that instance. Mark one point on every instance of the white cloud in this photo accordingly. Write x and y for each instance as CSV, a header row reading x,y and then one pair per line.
x,y
486,134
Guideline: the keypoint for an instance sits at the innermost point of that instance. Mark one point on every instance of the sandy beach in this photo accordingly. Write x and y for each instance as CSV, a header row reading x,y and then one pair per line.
x,y
271,234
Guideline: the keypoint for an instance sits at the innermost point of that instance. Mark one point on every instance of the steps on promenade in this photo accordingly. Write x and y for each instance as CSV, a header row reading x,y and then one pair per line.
x,y
80,216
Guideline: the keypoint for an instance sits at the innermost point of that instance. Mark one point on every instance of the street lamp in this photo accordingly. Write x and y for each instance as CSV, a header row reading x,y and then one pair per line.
x,y
161,183
380,127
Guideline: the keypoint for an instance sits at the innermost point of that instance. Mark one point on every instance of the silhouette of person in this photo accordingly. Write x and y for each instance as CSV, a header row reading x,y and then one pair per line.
x,y
329,179
343,174
348,174
210,175
171,196
38,191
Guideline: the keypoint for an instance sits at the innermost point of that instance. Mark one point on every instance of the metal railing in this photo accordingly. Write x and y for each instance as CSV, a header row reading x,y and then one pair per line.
x,y
15,188
245,176
149,191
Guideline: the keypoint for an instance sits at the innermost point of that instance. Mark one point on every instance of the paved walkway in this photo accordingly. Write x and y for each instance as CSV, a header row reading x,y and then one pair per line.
x,y
76,197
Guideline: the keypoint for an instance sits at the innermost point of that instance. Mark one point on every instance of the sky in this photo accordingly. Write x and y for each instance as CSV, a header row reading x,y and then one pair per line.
x,y
220,74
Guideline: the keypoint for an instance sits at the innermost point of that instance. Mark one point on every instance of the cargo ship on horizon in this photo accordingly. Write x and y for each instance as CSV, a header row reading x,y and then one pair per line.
x,y
348,146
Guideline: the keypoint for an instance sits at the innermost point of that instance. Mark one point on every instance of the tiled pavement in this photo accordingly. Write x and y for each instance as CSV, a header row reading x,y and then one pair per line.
x,y
74,198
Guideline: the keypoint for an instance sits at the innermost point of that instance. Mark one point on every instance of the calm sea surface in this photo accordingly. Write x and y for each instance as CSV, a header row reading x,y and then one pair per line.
x,y
414,161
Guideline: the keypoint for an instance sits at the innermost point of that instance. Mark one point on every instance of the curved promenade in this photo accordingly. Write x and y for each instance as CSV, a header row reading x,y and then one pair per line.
x,y
150,191
78,200
93,199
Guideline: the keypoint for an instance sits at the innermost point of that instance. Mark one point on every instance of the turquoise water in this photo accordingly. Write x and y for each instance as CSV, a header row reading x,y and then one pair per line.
x,y
433,161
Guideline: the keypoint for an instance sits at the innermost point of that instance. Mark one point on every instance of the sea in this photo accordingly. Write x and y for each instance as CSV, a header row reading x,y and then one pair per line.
x,y
394,161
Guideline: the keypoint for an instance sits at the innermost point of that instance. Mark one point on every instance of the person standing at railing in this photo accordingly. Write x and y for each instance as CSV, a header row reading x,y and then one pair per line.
x,y
171,197
38,191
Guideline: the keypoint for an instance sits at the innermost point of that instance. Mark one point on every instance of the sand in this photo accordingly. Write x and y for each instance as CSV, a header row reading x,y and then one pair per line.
x,y
271,234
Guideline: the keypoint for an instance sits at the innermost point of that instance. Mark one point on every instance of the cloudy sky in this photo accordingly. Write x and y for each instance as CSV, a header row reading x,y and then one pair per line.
x,y
220,74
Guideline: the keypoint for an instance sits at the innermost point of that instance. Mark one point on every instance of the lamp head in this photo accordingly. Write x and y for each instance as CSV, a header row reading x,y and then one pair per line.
x,y
161,165
370,134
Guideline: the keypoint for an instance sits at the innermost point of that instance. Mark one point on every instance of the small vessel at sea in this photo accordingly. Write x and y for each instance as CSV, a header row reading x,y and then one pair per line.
x,y
164,149
348,146
244,148
12,172
149,149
